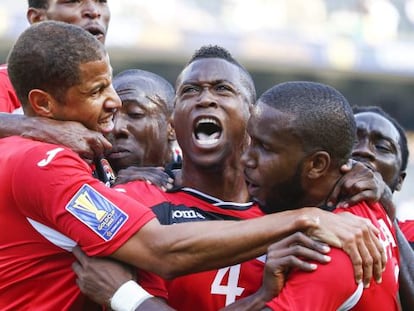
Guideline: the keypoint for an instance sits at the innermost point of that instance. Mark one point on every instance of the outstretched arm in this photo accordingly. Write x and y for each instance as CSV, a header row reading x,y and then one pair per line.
x,y
105,281
74,135
170,251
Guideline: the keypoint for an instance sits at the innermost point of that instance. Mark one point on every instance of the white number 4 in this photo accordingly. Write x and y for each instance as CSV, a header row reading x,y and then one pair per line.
x,y
231,290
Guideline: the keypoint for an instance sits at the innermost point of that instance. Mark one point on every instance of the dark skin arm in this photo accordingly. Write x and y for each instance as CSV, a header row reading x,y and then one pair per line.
x,y
359,183
100,278
170,251
72,134
406,276
153,175
357,240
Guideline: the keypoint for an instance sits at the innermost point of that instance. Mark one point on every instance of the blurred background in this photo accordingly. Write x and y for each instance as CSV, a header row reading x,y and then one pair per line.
x,y
364,48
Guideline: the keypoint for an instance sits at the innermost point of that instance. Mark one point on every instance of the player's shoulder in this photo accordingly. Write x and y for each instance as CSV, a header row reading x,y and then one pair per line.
x,y
142,191
3,70
35,151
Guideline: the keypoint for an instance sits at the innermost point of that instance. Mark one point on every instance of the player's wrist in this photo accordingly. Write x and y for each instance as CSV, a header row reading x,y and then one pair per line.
x,y
128,297
307,218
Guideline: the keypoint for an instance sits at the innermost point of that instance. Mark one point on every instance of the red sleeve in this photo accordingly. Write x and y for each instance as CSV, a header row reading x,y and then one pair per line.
x,y
407,228
8,97
153,283
310,291
54,186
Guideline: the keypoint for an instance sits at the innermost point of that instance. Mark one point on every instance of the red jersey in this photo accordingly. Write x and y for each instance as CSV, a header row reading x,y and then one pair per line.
x,y
210,290
8,98
333,287
49,203
407,228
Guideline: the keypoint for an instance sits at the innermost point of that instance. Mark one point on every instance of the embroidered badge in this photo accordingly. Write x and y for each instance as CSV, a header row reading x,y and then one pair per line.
x,y
97,212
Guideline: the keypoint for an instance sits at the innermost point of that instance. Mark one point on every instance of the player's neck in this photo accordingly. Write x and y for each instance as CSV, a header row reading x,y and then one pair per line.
x,y
320,190
225,184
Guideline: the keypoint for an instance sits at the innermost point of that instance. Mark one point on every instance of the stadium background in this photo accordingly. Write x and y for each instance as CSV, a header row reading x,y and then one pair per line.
x,y
364,48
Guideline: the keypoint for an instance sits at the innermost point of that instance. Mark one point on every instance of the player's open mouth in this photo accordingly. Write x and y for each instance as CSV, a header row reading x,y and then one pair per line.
x,y
96,31
207,131
106,125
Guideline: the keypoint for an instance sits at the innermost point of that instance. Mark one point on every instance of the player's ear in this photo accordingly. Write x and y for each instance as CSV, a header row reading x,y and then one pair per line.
x,y
317,164
35,15
41,103
400,181
170,130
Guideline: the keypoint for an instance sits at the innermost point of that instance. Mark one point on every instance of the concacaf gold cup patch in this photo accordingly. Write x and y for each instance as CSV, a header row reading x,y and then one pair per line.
x,y
97,212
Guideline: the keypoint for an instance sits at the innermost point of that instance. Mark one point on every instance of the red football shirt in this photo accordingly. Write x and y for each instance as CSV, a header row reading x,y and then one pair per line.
x,y
49,203
333,287
210,290
8,98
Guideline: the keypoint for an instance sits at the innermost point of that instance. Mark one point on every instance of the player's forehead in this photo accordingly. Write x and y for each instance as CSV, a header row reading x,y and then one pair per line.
x,y
210,70
377,125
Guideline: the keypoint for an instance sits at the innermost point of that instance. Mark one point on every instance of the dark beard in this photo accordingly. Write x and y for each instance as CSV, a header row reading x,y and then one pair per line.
x,y
293,194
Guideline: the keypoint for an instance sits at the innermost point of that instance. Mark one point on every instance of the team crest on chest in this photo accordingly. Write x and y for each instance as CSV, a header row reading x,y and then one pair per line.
x,y
97,212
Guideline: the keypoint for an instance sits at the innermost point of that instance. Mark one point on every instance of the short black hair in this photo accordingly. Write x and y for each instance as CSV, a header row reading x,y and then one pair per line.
x,y
215,51
403,136
38,4
160,86
47,56
322,117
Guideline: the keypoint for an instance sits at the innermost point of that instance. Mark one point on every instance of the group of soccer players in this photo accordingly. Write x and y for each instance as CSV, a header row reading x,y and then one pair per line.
x,y
285,153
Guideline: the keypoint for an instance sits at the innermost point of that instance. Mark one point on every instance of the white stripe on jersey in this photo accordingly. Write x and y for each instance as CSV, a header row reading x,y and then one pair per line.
x,y
353,300
217,202
53,236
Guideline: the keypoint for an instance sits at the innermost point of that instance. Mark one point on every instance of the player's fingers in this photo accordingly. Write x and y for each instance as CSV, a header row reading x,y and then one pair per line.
x,y
379,257
77,268
106,145
333,198
288,262
367,264
96,145
300,238
366,195
376,249
308,254
80,255
352,250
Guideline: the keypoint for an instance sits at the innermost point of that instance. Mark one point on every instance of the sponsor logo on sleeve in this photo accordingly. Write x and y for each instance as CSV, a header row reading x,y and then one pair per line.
x,y
51,154
97,212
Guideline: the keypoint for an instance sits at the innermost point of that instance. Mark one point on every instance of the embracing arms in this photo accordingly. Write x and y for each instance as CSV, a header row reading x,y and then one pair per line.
x,y
69,133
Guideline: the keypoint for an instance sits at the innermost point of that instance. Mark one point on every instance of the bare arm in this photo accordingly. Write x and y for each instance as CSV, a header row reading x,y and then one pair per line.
x,y
99,279
153,175
171,251
74,135
154,304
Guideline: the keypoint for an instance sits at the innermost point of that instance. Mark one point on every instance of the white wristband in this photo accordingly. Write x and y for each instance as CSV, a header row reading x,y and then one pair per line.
x,y
128,297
